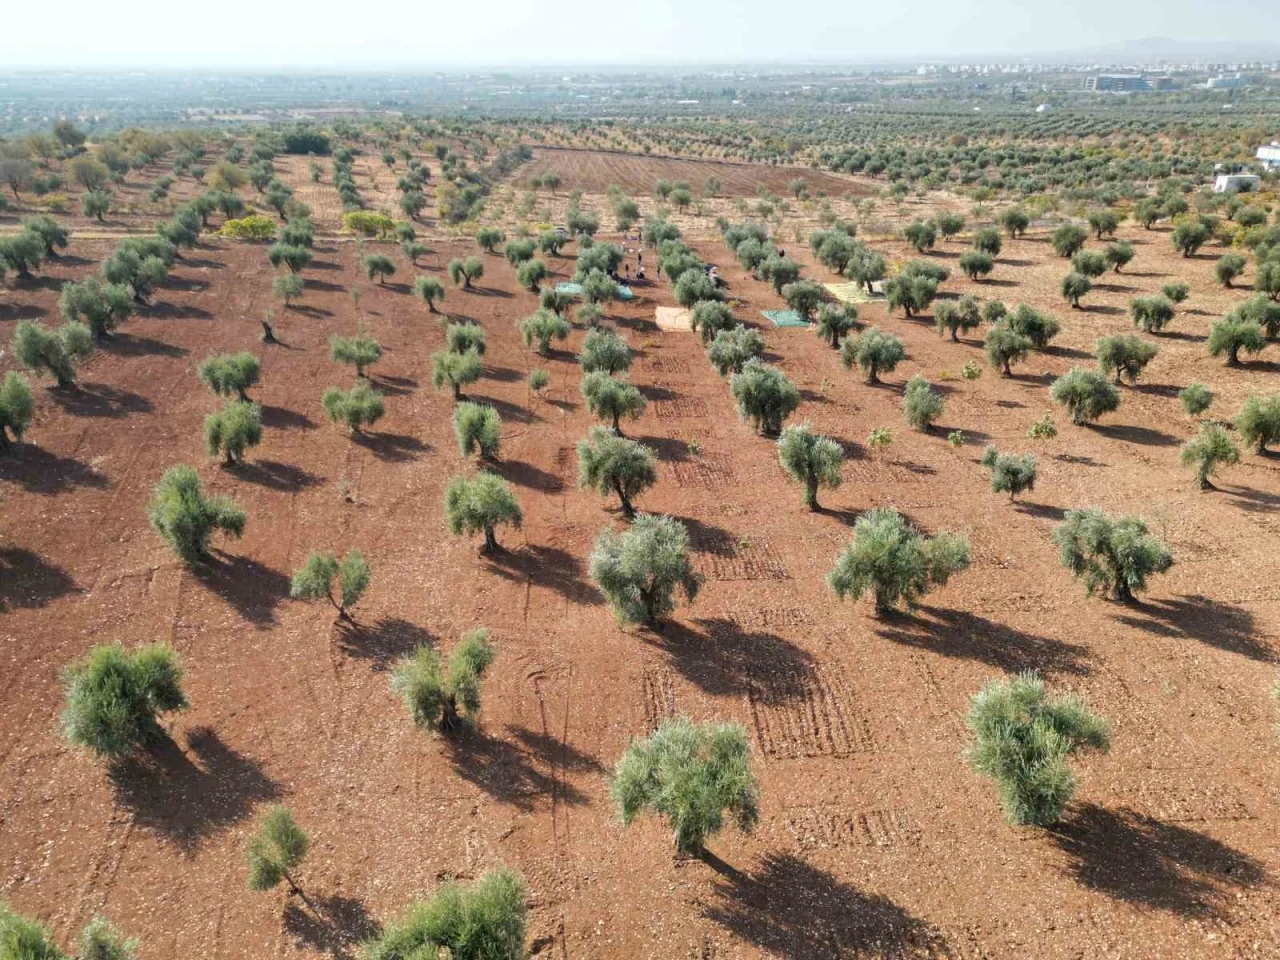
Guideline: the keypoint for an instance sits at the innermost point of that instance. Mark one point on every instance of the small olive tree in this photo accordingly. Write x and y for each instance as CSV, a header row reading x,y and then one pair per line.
x,y
731,349
357,408
230,374
608,464
56,352
1085,393
1009,472
542,328
1258,421
232,430
921,403
485,921
811,459
114,697
1114,556
1124,355
17,407
360,351
1023,740
1150,314
464,272
276,851
765,396
874,351
611,400
835,320
1232,334
455,370
894,562
640,570
477,427
694,775
1003,348
461,337
480,504
186,519
1207,451
709,317
604,349
443,698
315,580
429,289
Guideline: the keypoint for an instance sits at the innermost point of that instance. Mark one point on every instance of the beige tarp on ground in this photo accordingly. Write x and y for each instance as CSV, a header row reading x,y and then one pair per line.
x,y
854,292
673,319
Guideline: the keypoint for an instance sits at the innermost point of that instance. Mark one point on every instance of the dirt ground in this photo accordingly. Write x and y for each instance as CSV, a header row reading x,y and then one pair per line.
x,y
875,839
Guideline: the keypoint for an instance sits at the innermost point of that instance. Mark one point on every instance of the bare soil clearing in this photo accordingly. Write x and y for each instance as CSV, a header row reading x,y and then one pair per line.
x,y
875,840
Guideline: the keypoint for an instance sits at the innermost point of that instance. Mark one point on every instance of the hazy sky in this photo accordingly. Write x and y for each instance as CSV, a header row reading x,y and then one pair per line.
x,y
431,33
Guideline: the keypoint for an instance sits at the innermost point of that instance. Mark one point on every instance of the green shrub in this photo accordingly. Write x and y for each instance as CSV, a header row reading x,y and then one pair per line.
x,y
57,352
441,699
640,570
1042,429
691,774
483,922
610,399
477,427
986,240
186,519
276,850
538,379
1211,448
608,464
1118,254
232,430
462,337
976,265
921,404
455,369
1085,393
894,562
810,459
765,396
113,697
314,580
1258,421
360,351
731,349
874,351
1113,556
230,374
604,349
357,408
479,504
1125,355
1177,292
17,406
1195,398
1009,472
1023,740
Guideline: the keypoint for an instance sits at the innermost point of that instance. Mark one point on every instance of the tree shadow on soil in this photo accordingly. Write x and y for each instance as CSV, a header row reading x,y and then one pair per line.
x,y
282,418
393,386
527,475
506,771
391,447
958,633
37,470
509,412
1165,866
274,475
666,448
1130,433
28,581
252,588
187,796
384,642
1194,617
100,400
722,657
1253,501
132,345
546,566
788,907
335,924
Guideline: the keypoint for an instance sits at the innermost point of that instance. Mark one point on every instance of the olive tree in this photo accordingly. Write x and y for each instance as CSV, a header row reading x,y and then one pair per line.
x,y
477,427
604,349
455,370
357,408
232,430
1114,556
950,224
1103,223
1009,472
295,258
17,406
1150,314
112,699
485,921
1195,398
874,351
1189,236
1091,263
1232,334
894,562
1023,739
804,297
1258,421
693,775
186,519
608,464
921,234
22,938
480,504
811,459
709,317
1210,449
731,349
610,399
462,337
1074,287
1038,327
986,240
531,273
56,352
835,320
463,271
957,316
377,265
765,396
428,289
360,351
230,374
288,287
1004,347
641,570
1015,221
1085,393
921,403
489,238
445,698
316,580
1067,239
1124,355
276,850
976,265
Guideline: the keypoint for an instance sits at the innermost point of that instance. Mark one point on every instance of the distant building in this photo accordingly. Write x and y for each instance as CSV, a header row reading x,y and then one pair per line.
x,y
1116,82
1270,156
1163,83
1223,82
1237,183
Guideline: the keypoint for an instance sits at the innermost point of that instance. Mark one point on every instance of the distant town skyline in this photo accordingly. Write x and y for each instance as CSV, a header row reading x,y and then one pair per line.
x,y
520,33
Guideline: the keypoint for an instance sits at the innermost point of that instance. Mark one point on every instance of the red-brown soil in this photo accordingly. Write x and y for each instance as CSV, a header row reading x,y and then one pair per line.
x,y
875,838
594,171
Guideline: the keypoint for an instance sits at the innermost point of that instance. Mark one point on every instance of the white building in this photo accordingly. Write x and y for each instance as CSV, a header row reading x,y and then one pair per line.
x,y
1270,156
1237,183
